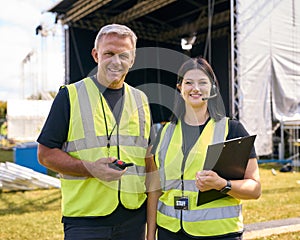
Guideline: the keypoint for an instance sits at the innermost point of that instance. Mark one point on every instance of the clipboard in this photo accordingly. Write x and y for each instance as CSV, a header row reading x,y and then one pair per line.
x,y
229,160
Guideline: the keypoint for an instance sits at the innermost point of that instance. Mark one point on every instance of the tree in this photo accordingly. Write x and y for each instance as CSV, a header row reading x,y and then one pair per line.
x,y
3,109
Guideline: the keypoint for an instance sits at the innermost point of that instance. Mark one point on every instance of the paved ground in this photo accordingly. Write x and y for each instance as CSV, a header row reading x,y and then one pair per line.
x,y
264,229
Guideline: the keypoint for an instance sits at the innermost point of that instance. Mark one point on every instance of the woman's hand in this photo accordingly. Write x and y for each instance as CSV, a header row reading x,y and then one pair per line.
x,y
207,180
247,188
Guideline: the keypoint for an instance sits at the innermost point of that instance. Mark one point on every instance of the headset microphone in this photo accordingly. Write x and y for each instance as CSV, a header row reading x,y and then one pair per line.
x,y
212,96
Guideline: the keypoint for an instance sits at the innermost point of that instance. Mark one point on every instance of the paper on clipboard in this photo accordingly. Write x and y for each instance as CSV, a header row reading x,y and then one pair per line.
x,y
229,160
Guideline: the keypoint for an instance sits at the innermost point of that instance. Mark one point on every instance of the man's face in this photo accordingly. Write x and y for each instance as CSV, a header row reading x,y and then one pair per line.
x,y
114,55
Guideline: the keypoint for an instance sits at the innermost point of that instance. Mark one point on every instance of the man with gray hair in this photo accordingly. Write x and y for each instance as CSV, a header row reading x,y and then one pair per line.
x,y
96,137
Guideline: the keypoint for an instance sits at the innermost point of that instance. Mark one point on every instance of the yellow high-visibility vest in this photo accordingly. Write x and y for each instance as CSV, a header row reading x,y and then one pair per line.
x,y
87,139
215,218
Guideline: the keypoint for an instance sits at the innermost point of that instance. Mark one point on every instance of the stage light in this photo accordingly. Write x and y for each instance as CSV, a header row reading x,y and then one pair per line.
x,y
187,43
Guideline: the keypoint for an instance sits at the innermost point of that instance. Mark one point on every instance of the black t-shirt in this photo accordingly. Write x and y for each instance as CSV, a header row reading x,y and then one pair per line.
x,y
54,135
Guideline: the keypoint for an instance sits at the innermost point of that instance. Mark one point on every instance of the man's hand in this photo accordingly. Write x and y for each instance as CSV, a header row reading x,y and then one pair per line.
x,y
101,170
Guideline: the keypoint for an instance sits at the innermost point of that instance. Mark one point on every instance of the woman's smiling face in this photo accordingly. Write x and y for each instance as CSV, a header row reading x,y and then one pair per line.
x,y
195,86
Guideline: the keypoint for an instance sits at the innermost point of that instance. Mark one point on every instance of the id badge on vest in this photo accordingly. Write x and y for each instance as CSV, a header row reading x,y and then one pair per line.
x,y
181,202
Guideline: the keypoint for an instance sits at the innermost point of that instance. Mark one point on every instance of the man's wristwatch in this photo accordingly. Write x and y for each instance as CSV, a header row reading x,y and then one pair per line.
x,y
227,188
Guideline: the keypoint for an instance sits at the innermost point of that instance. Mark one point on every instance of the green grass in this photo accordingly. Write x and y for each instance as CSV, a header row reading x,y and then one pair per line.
x,y
280,197
30,215
6,155
36,214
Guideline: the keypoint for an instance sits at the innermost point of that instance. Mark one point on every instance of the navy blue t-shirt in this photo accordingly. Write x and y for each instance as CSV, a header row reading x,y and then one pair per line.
x,y
55,130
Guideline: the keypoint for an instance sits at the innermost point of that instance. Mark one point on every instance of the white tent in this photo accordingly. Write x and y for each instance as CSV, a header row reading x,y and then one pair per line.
x,y
25,118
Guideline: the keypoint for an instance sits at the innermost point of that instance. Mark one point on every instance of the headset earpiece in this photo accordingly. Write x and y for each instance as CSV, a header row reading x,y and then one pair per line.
x,y
214,88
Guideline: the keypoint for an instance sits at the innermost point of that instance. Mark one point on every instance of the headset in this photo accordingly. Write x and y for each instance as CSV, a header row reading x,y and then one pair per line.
x,y
215,93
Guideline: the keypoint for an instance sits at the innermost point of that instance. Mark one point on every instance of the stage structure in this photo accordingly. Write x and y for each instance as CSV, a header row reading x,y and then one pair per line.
x,y
252,45
267,74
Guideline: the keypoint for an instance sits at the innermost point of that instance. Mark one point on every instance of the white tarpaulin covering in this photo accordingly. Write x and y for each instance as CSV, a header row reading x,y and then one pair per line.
x,y
268,40
25,118
14,177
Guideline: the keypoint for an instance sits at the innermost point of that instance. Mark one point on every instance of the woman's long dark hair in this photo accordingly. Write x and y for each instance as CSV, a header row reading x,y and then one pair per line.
x,y
215,105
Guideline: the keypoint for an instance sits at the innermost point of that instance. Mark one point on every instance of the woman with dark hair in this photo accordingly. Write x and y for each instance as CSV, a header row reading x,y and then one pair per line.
x,y
199,120
215,106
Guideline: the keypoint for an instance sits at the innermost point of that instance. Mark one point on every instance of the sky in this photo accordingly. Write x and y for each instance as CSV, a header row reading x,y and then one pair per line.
x,y
44,70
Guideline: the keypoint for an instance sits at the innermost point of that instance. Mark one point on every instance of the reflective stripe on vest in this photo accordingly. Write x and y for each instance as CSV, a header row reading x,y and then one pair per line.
x,y
87,140
91,140
214,218
201,214
219,136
